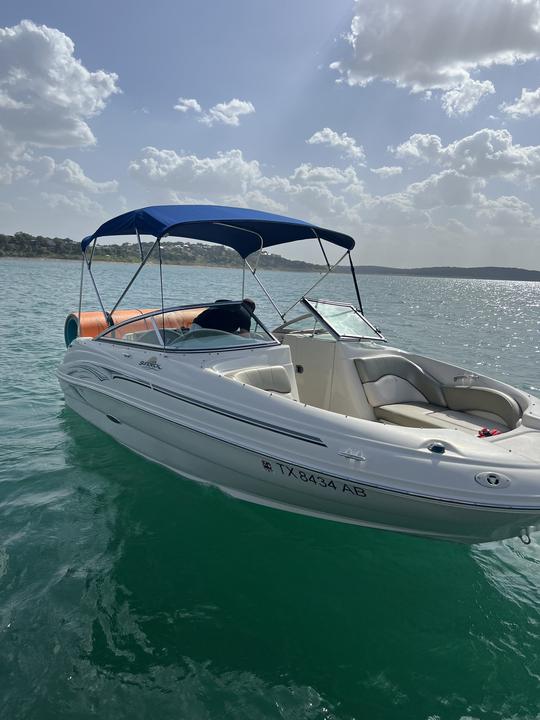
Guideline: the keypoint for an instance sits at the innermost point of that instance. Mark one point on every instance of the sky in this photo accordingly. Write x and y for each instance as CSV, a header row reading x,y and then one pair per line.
x,y
412,125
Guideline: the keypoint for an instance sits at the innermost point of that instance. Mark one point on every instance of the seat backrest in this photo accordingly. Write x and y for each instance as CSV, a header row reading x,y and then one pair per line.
x,y
485,402
273,378
390,379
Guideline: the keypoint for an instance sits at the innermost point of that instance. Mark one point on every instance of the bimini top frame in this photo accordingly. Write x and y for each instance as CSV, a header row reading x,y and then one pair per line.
x,y
218,224
246,231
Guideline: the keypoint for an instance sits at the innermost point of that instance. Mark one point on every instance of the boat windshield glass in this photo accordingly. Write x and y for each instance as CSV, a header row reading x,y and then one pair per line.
x,y
217,326
329,320
343,319
308,325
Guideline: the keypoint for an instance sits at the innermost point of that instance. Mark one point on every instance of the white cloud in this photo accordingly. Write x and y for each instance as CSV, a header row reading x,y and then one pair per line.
x,y
227,113
9,103
485,154
419,147
44,169
390,212
186,104
319,203
69,172
345,143
76,202
437,44
227,173
448,188
527,105
47,97
456,227
46,93
228,178
463,98
223,113
445,210
387,171
10,173
507,213
329,175
257,199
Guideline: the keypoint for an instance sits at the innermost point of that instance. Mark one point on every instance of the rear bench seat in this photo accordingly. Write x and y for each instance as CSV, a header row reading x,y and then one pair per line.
x,y
402,393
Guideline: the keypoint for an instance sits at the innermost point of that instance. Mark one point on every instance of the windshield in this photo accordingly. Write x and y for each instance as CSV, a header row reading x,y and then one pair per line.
x,y
344,319
216,326
330,320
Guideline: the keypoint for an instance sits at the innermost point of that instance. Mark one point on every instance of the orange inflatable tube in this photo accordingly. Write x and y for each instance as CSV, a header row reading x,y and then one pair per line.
x,y
92,323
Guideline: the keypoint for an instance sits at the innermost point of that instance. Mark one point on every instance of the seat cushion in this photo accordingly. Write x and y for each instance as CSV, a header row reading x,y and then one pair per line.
x,y
393,378
484,400
273,378
423,415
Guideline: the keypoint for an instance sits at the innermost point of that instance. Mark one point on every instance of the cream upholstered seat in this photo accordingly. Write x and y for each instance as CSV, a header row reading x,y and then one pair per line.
x,y
402,393
490,403
272,378
433,416
394,379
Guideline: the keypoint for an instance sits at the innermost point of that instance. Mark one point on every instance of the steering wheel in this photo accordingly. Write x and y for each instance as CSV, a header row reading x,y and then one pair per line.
x,y
170,335
198,333
149,336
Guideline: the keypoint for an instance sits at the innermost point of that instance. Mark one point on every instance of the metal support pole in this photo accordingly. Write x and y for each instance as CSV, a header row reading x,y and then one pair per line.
x,y
108,318
318,281
355,283
265,291
81,292
323,252
89,266
252,232
161,288
140,244
122,296
91,252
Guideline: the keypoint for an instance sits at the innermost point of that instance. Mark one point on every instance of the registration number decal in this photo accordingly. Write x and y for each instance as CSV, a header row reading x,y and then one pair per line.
x,y
306,476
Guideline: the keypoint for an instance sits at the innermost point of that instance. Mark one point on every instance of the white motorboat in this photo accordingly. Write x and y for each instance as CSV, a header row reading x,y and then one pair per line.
x,y
319,417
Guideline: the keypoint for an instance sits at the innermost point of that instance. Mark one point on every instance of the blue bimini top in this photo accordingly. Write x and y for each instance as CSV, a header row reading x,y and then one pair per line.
x,y
246,231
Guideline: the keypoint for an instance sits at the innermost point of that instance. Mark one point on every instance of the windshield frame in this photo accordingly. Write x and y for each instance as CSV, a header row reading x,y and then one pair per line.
x,y
307,303
163,347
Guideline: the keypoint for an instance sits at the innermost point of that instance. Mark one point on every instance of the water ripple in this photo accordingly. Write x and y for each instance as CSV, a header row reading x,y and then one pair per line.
x,y
126,592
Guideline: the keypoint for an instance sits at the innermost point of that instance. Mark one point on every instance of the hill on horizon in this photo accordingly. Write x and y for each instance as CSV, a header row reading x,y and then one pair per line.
x,y
24,245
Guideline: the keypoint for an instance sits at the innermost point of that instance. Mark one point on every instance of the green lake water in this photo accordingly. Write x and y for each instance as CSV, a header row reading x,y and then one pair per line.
x,y
129,592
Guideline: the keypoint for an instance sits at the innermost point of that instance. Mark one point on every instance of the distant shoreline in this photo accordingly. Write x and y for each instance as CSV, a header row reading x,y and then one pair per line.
x,y
213,255
458,273
462,273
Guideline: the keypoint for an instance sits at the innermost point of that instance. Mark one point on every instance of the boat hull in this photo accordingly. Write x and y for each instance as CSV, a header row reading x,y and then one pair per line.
x,y
275,479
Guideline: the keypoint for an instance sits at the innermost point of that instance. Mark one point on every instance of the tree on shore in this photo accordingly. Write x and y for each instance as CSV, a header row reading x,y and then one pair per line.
x,y
23,245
